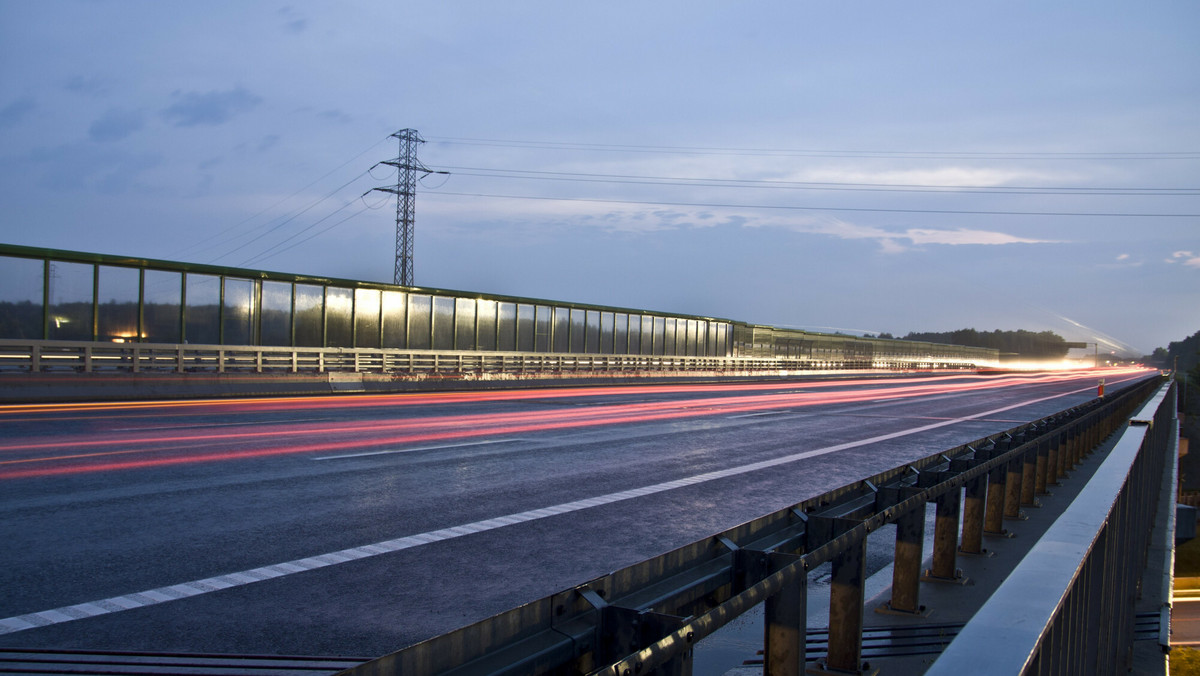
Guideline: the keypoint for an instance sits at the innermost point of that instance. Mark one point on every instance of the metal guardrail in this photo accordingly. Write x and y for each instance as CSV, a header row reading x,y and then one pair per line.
x,y
93,357
648,617
1069,606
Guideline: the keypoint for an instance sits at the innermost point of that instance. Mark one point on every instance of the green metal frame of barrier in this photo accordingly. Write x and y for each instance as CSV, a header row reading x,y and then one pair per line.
x,y
647,618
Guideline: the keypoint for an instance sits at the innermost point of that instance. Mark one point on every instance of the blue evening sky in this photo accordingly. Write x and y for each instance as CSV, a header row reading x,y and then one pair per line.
x,y
856,166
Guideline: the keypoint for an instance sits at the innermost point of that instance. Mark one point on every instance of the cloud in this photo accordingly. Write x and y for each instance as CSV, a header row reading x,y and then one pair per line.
x,y
15,112
209,108
1123,257
1188,258
963,236
115,124
894,241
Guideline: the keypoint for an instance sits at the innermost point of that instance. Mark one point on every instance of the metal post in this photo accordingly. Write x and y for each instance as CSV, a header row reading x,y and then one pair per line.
x,y
1012,489
993,523
973,516
846,609
906,568
785,629
945,537
1029,478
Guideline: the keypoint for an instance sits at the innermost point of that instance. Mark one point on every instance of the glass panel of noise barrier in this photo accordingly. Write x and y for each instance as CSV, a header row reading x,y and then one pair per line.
x,y
578,331
21,302
238,311
620,333
485,313
276,314
526,328
420,314
118,293
366,317
202,310
669,345
310,315
635,335
464,323
70,300
162,307
339,317
652,330
606,333
561,330
395,319
542,328
591,341
443,323
506,326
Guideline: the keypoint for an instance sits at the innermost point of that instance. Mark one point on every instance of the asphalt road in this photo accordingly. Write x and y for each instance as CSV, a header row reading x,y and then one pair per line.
x,y
358,525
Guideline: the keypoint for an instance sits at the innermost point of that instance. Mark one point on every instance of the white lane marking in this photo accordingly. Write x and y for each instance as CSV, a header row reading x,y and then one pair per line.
x,y
414,450
755,415
196,587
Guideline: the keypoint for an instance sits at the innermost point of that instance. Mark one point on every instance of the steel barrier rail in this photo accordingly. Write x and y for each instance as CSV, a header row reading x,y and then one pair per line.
x,y
1069,605
647,618
92,357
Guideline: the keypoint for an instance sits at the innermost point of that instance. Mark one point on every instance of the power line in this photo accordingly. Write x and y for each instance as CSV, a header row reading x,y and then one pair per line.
x,y
782,152
488,172
291,218
276,204
790,207
269,253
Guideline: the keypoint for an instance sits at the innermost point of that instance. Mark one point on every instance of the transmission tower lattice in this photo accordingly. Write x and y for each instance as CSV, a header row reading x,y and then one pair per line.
x,y
407,167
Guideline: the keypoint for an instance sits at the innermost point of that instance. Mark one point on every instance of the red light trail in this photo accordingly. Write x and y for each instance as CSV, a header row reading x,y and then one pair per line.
x,y
96,451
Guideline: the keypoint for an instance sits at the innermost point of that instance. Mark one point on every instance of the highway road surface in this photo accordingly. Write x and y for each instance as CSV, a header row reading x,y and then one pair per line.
x,y
358,525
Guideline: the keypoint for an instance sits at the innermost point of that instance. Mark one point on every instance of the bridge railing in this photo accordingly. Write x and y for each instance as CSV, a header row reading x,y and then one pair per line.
x,y
1069,605
647,618
56,356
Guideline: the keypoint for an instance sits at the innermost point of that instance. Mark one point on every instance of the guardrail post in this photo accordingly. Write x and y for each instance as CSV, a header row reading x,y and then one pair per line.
x,y
1012,489
945,538
1029,463
846,609
906,567
1043,467
973,516
1054,458
785,628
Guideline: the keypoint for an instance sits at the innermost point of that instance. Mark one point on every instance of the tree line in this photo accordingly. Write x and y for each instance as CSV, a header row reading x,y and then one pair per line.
x,y
1027,344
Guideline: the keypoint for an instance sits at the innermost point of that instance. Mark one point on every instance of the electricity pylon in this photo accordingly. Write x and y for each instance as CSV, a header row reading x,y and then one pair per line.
x,y
407,167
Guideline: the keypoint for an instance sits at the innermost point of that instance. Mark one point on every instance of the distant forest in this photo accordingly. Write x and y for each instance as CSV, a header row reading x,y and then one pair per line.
x,y
1187,351
1027,344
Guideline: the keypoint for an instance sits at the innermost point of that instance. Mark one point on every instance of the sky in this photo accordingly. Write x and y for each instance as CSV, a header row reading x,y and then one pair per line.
x,y
840,166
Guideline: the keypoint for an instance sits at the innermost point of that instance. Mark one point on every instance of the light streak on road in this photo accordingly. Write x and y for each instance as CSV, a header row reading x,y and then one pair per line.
x,y
150,447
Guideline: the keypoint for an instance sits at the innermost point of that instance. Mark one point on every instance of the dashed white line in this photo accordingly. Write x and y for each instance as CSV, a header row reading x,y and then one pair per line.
x,y
189,589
